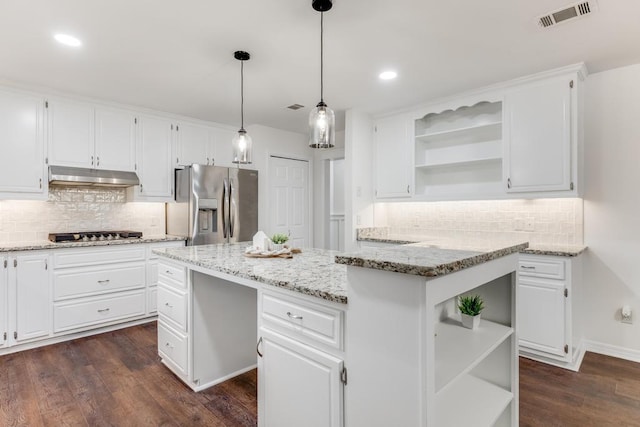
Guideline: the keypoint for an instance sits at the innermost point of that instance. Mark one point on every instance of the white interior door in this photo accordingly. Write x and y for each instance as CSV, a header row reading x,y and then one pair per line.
x,y
289,200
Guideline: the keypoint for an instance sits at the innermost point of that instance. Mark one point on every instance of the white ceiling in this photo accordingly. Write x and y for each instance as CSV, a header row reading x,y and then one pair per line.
x,y
177,56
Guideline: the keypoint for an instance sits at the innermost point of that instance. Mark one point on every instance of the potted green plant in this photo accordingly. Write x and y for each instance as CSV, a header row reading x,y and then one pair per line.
x,y
470,307
278,241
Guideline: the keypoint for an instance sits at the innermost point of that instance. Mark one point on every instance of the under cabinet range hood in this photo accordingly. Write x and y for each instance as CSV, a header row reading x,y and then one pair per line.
x,y
63,175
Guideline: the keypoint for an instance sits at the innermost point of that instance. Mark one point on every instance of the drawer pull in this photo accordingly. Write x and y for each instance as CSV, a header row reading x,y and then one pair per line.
x,y
258,347
103,281
294,316
103,310
168,305
169,272
528,267
169,345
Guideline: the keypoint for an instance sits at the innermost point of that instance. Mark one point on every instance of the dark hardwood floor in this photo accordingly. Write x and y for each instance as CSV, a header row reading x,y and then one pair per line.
x,y
116,379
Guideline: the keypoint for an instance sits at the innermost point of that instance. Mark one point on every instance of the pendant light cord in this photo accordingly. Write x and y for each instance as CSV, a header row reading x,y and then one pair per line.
x,y
242,95
321,57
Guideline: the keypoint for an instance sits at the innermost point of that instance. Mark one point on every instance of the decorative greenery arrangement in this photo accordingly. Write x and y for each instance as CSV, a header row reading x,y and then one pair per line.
x,y
470,305
279,238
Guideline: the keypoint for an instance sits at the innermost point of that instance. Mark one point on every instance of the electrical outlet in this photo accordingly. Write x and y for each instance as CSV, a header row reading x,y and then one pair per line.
x,y
626,315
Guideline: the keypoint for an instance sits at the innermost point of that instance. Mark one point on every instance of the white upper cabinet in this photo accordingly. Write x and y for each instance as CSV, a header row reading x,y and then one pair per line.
x,y
541,136
221,151
115,143
155,168
81,135
194,144
22,165
392,157
71,136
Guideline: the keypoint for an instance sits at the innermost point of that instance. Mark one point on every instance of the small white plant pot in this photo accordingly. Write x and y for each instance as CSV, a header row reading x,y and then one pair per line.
x,y
470,322
277,246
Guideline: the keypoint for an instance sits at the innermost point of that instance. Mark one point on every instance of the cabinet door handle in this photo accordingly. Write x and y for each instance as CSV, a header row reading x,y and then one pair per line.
x,y
91,160
508,182
408,189
258,347
294,316
40,183
104,310
103,281
98,161
528,267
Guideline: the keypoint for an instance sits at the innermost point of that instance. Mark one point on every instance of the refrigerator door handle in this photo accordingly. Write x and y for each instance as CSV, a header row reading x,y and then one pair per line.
x,y
231,208
225,206
196,209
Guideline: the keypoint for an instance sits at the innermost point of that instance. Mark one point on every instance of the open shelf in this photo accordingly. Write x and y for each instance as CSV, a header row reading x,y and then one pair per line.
x,y
471,401
460,162
459,154
459,350
462,132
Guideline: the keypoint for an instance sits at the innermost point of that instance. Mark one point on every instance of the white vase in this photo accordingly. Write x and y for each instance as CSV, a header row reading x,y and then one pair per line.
x,y
471,322
277,246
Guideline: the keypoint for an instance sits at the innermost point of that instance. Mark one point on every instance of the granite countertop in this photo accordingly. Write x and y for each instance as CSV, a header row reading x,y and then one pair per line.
x,y
46,244
425,259
383,235
312,272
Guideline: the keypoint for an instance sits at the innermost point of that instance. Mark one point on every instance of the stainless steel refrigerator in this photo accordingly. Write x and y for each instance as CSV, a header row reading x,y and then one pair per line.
x,y
214,204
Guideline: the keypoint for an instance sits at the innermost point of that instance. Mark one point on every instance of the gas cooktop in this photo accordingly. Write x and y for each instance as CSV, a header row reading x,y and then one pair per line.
x,y
93,236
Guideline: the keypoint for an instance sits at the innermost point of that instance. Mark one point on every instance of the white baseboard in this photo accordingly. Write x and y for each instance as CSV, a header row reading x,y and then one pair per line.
x,y
613,351
573,365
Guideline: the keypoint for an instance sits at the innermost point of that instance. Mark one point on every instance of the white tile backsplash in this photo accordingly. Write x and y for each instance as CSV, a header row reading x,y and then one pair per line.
x,y
540,221
78,209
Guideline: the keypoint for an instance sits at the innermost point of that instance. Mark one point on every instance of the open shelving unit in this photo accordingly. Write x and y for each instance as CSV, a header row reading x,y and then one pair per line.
x,y
458,153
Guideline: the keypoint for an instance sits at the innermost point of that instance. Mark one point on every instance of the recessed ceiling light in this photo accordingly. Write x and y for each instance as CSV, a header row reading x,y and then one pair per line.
x,y
68,40
388,75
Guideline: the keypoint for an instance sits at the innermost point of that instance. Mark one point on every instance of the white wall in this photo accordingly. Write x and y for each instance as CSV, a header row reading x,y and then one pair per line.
x,y
269,141
612,206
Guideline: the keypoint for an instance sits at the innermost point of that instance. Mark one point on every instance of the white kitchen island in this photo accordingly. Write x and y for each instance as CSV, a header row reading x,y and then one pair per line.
x,y
394,353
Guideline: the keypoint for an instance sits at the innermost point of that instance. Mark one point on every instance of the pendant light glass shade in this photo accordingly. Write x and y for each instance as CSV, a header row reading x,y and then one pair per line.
x,y
322,120
322,127
242,145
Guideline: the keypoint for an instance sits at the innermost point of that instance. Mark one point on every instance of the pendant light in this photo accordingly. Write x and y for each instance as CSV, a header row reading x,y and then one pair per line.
x,y
242,141
322,129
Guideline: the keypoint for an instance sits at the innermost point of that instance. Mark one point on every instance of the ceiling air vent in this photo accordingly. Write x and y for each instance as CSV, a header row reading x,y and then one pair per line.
x,y
575,10
295,107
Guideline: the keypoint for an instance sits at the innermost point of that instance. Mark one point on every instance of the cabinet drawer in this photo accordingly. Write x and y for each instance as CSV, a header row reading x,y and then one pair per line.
x,y
540,267
173,275
172,346
90,256
321,323
93,311
70,283
173,306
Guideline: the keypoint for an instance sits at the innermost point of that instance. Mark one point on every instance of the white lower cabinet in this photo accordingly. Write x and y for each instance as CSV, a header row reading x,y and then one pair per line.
x,y
548,306
24,298
4,306
301,373
298,385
